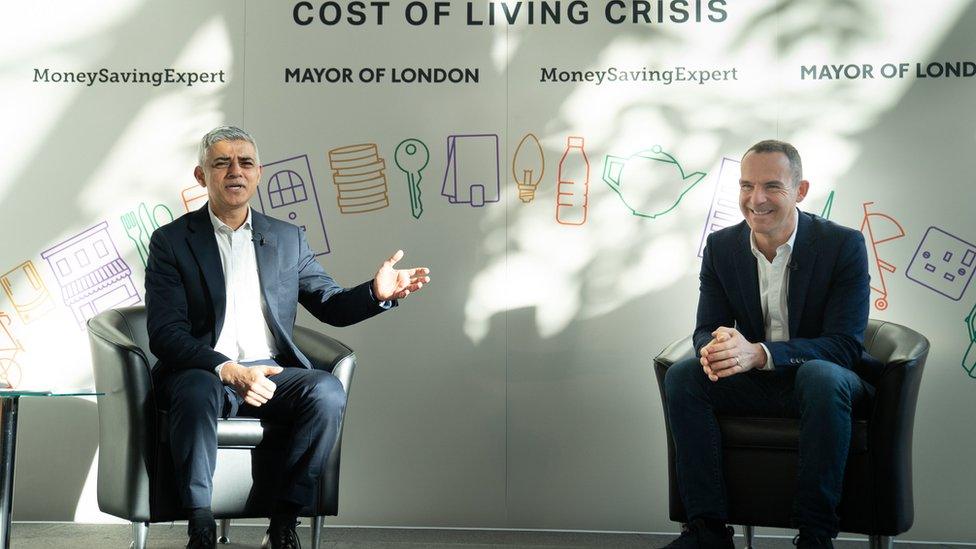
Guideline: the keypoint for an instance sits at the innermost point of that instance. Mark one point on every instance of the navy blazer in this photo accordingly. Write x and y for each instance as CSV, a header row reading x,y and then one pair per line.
x,y
828,296
186,293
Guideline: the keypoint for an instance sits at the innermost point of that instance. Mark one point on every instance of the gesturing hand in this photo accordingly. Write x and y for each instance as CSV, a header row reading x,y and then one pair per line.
x,y
390,283
729,353
252,382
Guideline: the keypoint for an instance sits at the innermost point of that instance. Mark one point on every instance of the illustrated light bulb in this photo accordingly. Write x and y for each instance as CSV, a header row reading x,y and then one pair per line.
x,y
528,166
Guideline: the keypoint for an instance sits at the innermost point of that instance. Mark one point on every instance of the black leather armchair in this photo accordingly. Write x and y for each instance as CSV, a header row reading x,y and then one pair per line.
x,y
135,471
760,453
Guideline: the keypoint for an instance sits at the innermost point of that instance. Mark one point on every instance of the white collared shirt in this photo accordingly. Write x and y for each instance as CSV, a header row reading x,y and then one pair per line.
x,y
774,283
245,335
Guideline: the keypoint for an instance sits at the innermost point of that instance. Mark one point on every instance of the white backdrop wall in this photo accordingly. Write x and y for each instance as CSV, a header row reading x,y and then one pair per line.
x,y
516,391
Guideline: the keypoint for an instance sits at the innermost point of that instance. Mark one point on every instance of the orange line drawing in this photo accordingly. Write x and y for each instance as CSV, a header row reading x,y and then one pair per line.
x,y
9,347
193,197
356,168
27,292
886,231
528,166
572,194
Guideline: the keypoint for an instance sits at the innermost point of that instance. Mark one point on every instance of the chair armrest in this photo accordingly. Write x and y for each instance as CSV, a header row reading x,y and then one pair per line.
x,y
676,351
903,352
327,353
126,418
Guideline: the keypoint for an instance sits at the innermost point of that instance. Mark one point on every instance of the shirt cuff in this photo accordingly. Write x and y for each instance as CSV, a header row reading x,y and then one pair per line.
x,y
382,304
769,359
220,367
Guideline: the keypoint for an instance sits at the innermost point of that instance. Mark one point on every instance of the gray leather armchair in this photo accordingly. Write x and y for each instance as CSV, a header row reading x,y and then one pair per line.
x,y
135,471
759,454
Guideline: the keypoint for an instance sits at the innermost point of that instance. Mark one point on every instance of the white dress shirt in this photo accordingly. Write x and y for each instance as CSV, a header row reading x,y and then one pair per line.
x,y
774,283
245,335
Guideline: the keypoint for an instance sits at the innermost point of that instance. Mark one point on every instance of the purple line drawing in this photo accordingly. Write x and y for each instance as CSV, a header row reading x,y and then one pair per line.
x,y
92,274
943,263
27,292
472,174
287,192
725,210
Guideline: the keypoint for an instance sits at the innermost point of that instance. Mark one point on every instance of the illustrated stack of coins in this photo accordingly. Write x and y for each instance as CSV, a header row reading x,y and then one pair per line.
x,y
358,174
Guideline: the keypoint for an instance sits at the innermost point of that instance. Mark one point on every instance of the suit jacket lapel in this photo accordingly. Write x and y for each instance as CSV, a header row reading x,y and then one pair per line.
x,y
748,277
203,244
803,261
266,252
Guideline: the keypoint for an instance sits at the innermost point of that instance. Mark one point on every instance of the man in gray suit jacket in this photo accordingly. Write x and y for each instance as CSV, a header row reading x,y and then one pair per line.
x,y
223,285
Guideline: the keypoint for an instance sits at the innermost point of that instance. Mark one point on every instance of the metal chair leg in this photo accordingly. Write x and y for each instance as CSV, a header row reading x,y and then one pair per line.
x,y
881,542
316,532
140,531
224,530
749,532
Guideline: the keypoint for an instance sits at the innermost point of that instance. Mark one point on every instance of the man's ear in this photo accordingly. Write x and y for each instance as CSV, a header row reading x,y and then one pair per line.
x,y
198,174
801,190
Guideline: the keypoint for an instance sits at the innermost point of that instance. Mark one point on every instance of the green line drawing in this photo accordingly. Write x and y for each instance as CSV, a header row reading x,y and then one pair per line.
x,y
411,157
828,206
969,359
647,182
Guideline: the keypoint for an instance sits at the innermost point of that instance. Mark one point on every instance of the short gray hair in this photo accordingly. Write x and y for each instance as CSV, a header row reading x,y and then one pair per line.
x,y
225,133
774,146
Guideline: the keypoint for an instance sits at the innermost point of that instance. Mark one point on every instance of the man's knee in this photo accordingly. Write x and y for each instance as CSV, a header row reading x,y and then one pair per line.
x,y
326,394
821,380
683,376
198,389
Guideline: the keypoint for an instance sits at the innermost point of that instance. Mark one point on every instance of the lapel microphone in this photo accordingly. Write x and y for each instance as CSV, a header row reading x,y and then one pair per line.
x,y
259,238
792,266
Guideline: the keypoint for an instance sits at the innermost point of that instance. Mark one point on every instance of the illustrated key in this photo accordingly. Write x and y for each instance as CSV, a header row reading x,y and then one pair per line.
x,y
411,157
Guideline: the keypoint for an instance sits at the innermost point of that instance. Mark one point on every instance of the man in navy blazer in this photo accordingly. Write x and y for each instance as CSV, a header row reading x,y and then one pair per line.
x,y
782,310
223,285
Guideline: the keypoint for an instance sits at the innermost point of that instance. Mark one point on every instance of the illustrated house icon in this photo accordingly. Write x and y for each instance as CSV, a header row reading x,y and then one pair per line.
x,y
92,275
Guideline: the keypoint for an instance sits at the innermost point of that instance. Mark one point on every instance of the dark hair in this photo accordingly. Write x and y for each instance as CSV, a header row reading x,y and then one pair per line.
x,y
775,146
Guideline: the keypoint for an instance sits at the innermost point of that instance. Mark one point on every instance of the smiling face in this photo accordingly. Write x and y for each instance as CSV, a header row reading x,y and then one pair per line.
x,y
768,197
230,174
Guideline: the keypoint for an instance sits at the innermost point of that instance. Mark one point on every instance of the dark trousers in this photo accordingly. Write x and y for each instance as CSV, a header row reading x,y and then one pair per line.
x,y
820,393
311,401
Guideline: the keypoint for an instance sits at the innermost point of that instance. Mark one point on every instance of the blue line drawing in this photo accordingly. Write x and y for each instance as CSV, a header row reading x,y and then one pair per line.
x,y
411,157
725,210
825,213
140,226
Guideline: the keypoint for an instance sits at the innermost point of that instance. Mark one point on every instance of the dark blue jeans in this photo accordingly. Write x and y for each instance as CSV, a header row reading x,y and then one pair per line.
x,y
820,393
311,401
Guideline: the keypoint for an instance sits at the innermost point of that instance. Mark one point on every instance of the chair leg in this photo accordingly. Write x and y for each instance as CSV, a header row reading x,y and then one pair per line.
x,y
224,530
880,542
316,531
140,531
749,533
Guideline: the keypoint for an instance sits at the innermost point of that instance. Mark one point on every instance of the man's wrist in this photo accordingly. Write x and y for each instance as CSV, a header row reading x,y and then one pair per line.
x,y
220,367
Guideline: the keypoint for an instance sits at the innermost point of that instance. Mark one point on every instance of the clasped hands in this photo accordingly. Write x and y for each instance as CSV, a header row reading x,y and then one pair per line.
x,y
729,353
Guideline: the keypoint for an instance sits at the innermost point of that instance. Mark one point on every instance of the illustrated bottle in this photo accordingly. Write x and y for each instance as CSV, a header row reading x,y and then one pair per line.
x,y
572,192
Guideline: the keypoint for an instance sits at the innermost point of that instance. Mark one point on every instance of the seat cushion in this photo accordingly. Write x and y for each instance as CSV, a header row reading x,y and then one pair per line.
x,y
777,433
236,432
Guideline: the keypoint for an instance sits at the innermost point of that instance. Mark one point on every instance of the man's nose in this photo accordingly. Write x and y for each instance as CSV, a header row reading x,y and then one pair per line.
x,y
234,169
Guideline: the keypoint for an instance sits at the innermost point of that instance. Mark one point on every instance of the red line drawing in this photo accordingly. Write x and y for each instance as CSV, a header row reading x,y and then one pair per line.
x,y
878,233
572,194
